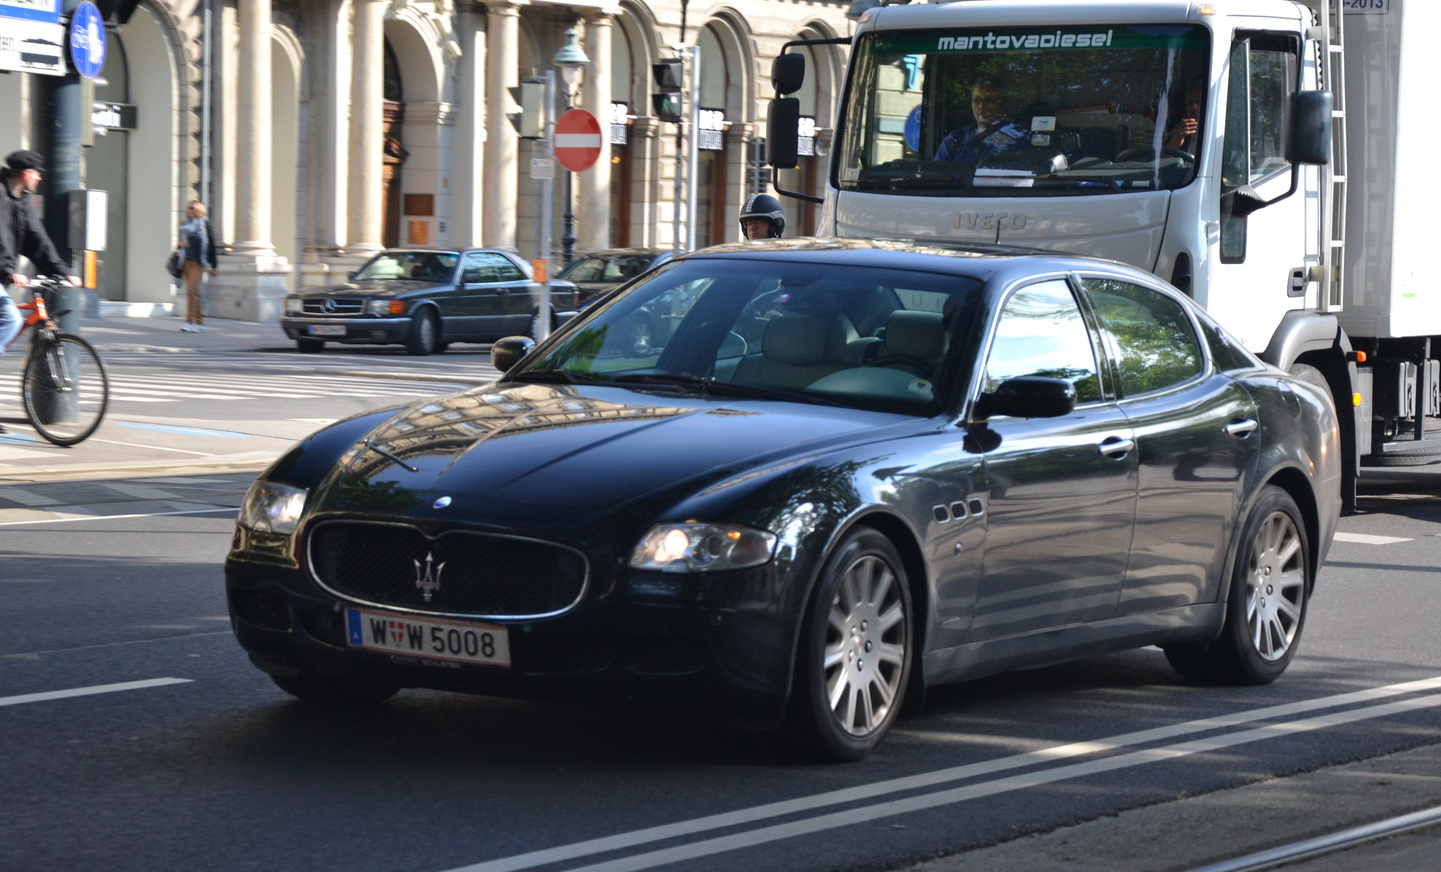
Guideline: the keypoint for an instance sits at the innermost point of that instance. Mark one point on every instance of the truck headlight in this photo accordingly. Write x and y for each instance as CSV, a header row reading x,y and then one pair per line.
x,y
272,508
294,306
698,547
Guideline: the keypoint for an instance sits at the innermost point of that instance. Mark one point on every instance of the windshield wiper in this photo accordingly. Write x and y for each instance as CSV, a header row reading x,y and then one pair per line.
x,y
710,386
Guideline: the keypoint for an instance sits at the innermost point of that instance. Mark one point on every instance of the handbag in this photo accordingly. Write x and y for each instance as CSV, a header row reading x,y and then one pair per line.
x,y
175,264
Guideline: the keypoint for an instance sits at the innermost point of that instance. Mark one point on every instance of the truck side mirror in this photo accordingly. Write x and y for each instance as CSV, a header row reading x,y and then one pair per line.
x,y
783,133
788,73
1310,139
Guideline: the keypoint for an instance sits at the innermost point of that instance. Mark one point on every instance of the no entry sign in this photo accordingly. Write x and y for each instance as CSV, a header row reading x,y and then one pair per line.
x,y
577,140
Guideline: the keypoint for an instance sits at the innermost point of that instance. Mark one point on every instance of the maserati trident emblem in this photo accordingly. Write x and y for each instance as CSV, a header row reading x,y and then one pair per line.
x,y
426,581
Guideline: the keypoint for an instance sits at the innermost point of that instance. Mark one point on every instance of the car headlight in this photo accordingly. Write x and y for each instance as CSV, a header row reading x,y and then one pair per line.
x,y
294,306
385,307
697,547
272,508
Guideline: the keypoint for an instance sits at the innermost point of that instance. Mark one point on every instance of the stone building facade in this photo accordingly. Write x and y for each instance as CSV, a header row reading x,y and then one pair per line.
x,y
319,131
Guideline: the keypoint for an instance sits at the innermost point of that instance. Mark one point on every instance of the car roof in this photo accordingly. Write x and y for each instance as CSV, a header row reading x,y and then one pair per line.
x,y
977,260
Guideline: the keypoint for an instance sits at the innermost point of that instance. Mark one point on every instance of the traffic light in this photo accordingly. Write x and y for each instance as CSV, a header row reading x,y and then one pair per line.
x,y
669,74
529,122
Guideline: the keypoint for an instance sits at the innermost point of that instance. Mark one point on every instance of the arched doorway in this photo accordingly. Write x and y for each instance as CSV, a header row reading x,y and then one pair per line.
x,y
393,131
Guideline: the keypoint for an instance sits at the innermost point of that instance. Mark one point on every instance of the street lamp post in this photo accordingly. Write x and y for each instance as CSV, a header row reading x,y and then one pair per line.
x,y
570,60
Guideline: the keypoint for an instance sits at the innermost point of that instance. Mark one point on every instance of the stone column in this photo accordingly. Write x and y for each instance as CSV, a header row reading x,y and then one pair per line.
x,y
468,154
502,148
367,144
252,159
253,280
330,146
644,154
592,221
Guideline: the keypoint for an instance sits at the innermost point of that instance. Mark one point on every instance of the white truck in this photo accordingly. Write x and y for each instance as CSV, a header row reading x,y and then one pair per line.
x,y
1240,149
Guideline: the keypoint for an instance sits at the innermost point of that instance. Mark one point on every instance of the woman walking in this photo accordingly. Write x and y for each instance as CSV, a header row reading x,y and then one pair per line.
x,y
197,237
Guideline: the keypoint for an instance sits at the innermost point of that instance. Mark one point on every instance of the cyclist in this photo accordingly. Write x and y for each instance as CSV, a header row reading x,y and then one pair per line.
x,y
21,234
762,218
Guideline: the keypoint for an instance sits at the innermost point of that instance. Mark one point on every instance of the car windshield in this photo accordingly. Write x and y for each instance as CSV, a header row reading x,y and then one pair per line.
x,y
607,268
1025,111
424,266
882,339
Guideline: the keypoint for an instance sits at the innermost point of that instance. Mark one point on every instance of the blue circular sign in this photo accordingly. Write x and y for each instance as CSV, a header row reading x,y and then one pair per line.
x,y
87,40
912,132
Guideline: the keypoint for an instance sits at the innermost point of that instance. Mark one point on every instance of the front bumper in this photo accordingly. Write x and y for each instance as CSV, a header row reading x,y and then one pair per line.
x,y
355,330
680,638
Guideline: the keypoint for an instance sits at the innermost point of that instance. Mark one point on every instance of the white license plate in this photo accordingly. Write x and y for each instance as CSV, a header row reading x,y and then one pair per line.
x,y
428,639
327,329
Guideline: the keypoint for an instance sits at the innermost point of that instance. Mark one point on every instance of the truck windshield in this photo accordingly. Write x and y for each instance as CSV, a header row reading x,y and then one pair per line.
x,y
1025,111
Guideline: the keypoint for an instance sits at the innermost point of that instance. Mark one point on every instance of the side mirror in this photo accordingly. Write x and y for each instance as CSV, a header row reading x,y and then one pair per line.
x,y
783,133
1028,397
1309,141
788,73
507,352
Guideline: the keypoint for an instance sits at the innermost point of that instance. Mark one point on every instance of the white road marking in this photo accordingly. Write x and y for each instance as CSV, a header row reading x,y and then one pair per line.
x,y
1368,539
69,518
930,779
869,814
90,691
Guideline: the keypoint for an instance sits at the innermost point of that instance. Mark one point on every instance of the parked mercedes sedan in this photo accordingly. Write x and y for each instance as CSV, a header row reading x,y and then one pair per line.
x,y
424,299
842,472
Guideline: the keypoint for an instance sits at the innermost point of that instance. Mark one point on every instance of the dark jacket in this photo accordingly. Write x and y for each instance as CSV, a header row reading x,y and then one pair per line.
x,y
22,234
192,246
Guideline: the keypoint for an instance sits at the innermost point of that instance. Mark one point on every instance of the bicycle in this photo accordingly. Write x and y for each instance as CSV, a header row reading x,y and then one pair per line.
x,y
64,387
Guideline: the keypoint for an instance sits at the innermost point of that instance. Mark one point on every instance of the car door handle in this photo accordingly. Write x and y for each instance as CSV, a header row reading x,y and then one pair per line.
x,y
1115,446
1241,428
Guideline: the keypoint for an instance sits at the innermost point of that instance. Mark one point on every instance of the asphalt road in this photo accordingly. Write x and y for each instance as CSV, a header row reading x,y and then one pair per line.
x,y
137,736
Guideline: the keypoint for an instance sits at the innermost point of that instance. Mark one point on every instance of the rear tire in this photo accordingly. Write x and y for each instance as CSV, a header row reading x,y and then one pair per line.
x,y
310,346
855,655
328,690
65,389
1266,607
424,333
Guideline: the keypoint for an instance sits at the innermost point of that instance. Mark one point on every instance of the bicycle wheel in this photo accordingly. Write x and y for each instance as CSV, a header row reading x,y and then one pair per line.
x,y
65,389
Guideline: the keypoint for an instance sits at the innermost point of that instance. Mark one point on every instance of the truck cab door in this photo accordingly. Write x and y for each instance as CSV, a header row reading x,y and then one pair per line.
x,y
1266,231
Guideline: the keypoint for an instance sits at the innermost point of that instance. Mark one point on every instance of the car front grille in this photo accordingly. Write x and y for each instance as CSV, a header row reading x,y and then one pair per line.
x,y
333,306
465,573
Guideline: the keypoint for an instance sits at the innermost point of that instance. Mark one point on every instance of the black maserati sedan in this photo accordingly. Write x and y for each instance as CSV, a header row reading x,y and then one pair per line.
x,y
424,299
840,473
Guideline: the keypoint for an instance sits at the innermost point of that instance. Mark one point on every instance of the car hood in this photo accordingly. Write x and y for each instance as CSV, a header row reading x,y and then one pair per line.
x,y
581,448
391,288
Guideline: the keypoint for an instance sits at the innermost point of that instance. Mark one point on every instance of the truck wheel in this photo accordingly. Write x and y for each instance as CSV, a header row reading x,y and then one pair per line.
x,y
1266,608
1311,375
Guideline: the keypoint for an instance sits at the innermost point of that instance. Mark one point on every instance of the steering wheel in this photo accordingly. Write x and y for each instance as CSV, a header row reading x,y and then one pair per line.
x,y
917,366
1146,150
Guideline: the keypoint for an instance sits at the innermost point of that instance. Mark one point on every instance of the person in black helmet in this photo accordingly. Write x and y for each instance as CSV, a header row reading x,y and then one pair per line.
x,y
762,218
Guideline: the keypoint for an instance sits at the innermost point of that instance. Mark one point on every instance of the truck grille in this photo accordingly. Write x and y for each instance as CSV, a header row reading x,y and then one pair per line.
x,y
333,306
471,574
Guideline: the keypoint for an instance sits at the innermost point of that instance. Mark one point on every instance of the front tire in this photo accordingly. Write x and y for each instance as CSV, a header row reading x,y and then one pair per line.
x,y
1266,607
856,649
333,691
65,390
424,333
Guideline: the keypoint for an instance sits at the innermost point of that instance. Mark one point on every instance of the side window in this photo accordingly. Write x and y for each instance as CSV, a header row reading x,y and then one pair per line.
x,y
1227,353
1149,334
505,269
1041,332
1263,75
476,267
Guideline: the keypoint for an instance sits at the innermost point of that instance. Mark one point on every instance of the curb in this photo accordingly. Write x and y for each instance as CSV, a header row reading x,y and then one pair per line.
x,y
83,471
